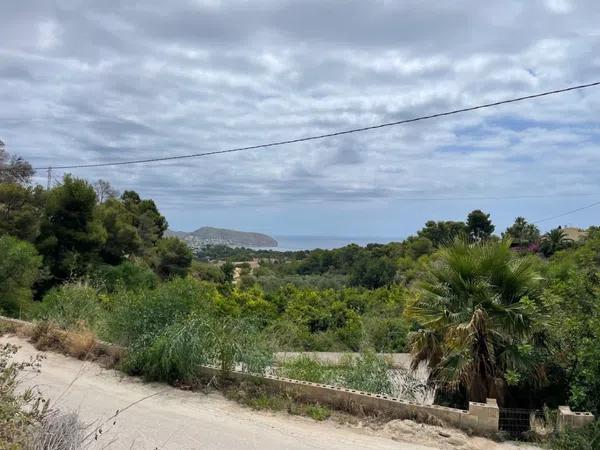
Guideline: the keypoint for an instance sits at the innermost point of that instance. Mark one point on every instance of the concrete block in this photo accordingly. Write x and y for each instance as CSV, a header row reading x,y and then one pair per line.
x,y
487,415
570,419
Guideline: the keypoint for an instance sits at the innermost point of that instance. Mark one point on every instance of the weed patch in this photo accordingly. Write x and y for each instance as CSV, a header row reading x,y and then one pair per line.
x,y
318,412
258,397
368,372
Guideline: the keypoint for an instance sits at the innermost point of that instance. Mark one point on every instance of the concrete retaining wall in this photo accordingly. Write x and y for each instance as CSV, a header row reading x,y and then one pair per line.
x,y
571,419
397,360
480,418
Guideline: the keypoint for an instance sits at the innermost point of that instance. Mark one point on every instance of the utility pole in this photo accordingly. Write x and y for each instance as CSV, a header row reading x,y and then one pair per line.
x,y
49,178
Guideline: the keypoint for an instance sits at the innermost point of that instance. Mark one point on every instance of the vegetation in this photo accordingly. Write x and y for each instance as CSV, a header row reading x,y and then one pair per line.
x,y
522,233
586,438
18,411
26,420
517,318
477,309
367,372
258,397
19,269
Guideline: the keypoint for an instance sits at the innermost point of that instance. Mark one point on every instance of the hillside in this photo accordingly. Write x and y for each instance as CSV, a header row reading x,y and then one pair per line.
x,y
209,235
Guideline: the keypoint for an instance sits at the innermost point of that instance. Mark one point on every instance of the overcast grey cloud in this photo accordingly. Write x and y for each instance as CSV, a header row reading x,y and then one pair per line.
x,y
84,81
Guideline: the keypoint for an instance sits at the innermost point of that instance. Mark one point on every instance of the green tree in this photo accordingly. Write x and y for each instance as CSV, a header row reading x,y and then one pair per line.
x,y
71,235
207,272
417,247
554,241
228,270
475,308
372,272
173,258
19,269
443,232
20,210
150,224
522,233
479,225
122,237
572,301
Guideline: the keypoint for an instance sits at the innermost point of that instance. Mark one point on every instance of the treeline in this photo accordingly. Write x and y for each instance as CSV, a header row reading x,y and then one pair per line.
x,y
379,265
515,316
76,230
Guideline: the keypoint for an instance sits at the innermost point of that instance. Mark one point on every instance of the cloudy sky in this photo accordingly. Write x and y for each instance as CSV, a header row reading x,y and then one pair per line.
x,y
85,81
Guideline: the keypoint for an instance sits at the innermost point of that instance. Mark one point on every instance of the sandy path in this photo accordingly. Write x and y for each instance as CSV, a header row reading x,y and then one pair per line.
x,y
175,419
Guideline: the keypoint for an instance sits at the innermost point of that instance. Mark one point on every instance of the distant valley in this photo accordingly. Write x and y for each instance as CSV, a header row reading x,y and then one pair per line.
x,y
220,236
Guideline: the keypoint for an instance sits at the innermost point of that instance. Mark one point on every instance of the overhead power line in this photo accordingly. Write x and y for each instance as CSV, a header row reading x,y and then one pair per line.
x,y
322,136
566,213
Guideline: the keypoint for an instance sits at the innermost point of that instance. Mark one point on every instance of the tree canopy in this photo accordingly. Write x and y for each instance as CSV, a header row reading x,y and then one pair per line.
x,y
479,225
522,233
474,306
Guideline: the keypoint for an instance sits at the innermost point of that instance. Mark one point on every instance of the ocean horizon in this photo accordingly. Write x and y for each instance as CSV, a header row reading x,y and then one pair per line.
x,y
299,242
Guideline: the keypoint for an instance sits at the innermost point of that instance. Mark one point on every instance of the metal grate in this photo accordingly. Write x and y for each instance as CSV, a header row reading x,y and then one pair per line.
x,y
518,422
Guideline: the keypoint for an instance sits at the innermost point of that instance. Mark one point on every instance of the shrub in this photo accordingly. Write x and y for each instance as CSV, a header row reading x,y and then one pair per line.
x,y
80,343
175,354
26,421
142,315
125,276
586,438
19,266
70,306
318,412
19,411
207,272
173,258
387,333
368,372
309,369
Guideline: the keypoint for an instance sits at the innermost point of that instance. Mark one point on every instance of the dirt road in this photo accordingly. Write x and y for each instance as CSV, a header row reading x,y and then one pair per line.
x,y
175,419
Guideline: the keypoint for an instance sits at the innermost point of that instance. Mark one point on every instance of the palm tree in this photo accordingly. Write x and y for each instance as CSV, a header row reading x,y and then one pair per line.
x,y
554,241
476,313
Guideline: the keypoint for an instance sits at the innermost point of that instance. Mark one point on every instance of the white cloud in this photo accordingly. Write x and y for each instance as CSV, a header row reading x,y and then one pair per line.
x,y
48,35
113,82
560,6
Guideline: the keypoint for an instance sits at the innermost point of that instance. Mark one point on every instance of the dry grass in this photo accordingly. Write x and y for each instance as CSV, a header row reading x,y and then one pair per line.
x,y
79,343
59,431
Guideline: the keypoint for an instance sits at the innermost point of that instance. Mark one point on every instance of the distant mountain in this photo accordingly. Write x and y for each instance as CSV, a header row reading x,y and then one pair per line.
x,y
219,236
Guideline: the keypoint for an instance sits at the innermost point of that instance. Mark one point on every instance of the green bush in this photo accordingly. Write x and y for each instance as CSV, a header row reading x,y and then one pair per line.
x,y
19,268
173,258
586,438
126,276
386,334
306,368
207,272
71,306
175,354
144,314
318,412
21,411
368,372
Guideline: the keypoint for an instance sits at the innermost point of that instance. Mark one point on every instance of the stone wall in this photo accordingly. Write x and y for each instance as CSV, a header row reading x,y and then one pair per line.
x,y
481,418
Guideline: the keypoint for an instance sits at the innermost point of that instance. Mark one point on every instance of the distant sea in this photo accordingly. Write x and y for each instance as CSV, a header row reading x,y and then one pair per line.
x,y
291,243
